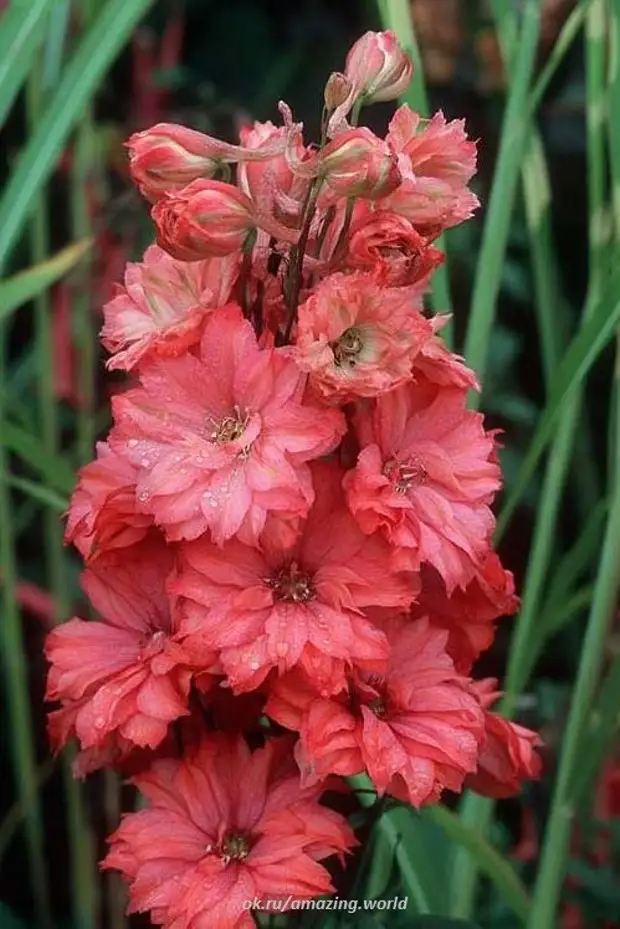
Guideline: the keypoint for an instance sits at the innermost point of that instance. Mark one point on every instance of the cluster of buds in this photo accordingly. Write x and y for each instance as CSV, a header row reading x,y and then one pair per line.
x,y
288,531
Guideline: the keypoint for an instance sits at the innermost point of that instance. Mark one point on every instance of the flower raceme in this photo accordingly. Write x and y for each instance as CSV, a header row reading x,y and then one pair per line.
x,y
289,523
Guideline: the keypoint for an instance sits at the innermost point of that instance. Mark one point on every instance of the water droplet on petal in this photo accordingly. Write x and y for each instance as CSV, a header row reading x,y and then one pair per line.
x,y
254,664
145,463
99,722
132,443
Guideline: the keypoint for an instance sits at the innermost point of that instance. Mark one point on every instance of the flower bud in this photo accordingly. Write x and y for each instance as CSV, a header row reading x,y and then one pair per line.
x,y
167,157
337,90
358,164
206,219
378,67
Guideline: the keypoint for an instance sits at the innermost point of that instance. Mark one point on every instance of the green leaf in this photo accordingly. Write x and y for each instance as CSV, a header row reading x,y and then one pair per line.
x,y
39,492
26,285
81,78
8,919
57,472
497,868
440,922
406,838
586,346
22,29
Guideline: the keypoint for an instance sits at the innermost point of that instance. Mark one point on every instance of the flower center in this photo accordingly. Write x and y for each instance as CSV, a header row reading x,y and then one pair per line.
x,y
405,474
230,427
347,348
370,691
235,847
291,584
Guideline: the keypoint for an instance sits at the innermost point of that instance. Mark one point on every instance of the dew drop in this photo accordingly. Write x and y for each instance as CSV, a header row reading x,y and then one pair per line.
x,y
145,463
143,496
254,664
99,722
132,443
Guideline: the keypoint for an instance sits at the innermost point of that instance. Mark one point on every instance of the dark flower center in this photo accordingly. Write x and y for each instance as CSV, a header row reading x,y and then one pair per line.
x,y
405,474
348,347
370,691
290,583
230,427
235,847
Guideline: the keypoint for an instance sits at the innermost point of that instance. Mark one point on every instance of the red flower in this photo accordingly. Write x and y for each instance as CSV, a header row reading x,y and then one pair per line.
x,y
225,826
162,306
124,675
425,477
358,338
469,614
415,730
102,515
508,753
222,439
283,605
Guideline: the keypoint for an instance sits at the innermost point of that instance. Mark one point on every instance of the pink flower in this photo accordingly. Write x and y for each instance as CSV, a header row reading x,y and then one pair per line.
x,y
102,514
441,366
206,219
284,605
436,161
167,157
163,305
508,755
225,826
469,614
358,338
221,439
415,729
388,244
425,477
124,675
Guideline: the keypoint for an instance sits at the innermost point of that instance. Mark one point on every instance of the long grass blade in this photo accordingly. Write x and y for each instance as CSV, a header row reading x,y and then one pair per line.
x,y
503,191
22,30
81,77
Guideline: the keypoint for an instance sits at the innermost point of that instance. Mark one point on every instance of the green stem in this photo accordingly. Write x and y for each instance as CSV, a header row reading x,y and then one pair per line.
x,y
82,864
21,732
82,176
552,869
503,190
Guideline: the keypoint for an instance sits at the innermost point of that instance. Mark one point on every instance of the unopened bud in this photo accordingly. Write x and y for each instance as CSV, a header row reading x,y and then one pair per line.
x,y
168,157
378,68
337,90
206,219
358,164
